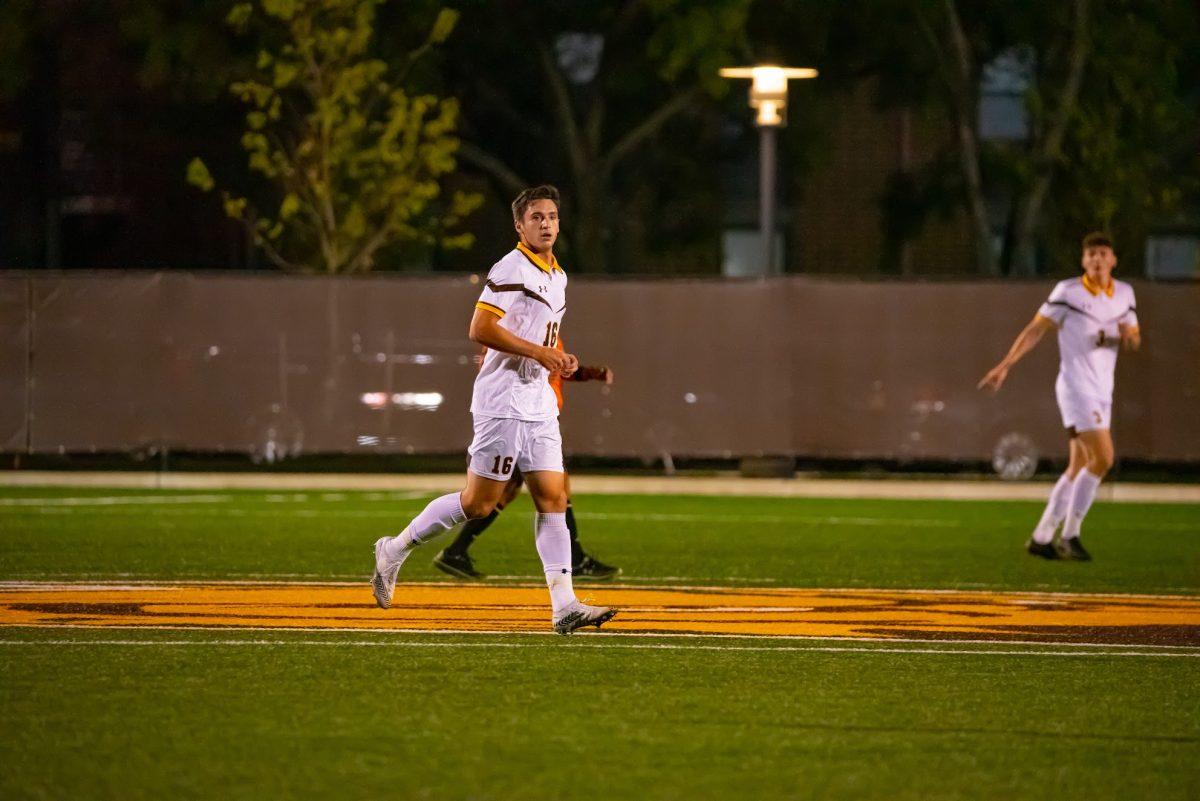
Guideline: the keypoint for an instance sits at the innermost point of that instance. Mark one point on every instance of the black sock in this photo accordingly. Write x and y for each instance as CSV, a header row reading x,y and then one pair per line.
x,y
577,553
470,530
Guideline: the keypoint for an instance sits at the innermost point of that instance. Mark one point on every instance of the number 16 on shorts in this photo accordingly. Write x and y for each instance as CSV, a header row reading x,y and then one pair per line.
x,y
502,446
492,463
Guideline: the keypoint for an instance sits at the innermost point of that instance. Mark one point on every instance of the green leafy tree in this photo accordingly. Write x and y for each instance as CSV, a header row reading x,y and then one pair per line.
x,y
1111,116
1060,38
1133,137
355,159
1111,119
581,92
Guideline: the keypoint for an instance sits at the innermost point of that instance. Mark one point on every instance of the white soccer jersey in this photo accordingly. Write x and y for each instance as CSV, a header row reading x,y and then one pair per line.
x,y
1088,335
530,298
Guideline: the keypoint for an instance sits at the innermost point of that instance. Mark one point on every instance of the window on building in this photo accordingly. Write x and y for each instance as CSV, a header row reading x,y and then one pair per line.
x,y
1173,256
1003,113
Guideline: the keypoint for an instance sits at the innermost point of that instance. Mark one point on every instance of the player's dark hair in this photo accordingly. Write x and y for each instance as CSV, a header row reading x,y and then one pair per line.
x,y
1098,239
543,192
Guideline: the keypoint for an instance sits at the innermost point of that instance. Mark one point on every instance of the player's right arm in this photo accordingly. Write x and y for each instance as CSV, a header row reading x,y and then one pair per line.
x,y
502,289
1026,341
487,331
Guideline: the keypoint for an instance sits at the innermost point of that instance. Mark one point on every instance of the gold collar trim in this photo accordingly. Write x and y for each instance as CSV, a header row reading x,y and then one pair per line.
x,y
537,260
1093,289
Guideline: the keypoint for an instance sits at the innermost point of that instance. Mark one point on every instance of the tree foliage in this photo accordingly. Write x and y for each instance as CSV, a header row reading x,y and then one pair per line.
x,y
356,160
348,146
1132,154
580,92
1111,137
1058,39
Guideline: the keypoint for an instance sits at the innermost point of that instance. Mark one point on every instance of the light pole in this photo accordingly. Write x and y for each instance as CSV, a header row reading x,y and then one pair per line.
x,y
768,94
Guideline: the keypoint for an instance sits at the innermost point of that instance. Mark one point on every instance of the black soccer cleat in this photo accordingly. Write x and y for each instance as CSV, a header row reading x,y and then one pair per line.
x,y
592,569
1071,548
457,565
1045,550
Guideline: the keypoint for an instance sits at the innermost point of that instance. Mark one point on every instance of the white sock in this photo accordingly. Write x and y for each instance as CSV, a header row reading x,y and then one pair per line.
x,y
1056,510
1083,492
553,543
442,514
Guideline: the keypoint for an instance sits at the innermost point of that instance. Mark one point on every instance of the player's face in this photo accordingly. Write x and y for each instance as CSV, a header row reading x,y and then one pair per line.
x,y
538,229
1098,263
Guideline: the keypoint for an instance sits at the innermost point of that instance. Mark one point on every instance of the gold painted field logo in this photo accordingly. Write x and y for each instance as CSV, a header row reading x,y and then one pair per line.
x,y
875,614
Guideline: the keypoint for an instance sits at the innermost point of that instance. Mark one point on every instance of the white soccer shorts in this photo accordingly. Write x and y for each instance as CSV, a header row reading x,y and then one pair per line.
x,y
501,444
1082,413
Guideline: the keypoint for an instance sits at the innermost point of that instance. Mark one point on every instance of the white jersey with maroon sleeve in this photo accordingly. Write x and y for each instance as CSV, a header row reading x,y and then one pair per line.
x,y
1088,320
530,297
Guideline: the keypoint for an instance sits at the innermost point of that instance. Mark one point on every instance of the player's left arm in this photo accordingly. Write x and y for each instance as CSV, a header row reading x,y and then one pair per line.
x,y
583,373
487,331
572,364
1131,335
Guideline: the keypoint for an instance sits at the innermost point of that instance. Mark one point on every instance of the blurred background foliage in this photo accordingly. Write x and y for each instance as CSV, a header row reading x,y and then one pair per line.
x,y
941,138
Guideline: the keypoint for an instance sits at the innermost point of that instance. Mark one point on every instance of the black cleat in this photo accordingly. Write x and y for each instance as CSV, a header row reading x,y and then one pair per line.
x,y
1043,549
592,569
1071,548
457,565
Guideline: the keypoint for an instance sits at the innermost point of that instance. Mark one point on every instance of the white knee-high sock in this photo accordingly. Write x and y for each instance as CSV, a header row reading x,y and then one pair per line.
x,y
553,543
1056,510
442,514
1083,492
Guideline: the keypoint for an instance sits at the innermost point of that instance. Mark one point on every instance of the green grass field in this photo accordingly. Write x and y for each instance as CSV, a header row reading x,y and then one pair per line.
x,y
121,713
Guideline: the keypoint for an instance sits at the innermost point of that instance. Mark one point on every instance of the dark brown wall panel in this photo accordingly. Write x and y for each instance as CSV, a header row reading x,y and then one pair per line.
x,y
268,364
100,346
14,356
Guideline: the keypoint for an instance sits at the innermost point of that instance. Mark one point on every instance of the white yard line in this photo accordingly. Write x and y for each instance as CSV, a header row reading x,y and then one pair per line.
x,y
76,580
1085,647
730,485
607,645
720,518
644,580
48,506
95,581
116,500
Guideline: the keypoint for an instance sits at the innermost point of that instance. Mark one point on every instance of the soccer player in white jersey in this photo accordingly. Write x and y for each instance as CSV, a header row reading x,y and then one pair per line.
x,y
515,413
1094,315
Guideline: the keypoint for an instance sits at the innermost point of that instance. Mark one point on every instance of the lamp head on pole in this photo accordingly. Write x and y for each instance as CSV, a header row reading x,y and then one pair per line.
x,y
768,89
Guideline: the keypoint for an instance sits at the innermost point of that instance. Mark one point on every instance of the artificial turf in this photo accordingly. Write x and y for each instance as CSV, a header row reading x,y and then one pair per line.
x,y
138,714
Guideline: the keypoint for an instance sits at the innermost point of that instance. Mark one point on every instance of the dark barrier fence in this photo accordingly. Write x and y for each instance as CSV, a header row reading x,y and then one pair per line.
x,y
274,365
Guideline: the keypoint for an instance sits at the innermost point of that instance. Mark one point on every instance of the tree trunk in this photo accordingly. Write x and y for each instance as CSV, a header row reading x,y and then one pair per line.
x,y
956,64
588,226
1047,154
985,254
965,89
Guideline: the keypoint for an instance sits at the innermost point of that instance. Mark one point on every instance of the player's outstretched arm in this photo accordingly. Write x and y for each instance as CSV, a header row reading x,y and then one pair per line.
x,y
1026,341
486,330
